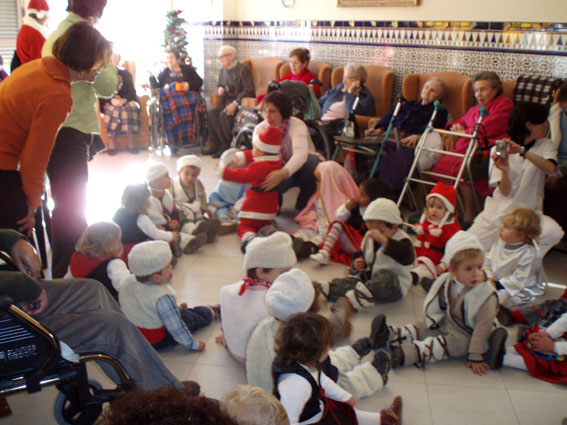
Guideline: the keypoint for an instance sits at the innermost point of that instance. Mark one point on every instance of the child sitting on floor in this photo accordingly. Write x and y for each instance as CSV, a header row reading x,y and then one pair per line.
x,y
293,292
149,302
134,221
513,265
97,256
308,395
382,269
346,232
436,226
335,186
164,212
191,199
242,303
249,405
542,352
259,207
460,311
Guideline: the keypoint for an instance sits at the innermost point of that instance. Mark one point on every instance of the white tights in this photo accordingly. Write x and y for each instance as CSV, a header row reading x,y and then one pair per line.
x,y
513,359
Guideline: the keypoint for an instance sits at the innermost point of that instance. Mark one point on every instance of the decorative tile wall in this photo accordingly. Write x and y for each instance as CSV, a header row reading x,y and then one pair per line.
x,y
511,49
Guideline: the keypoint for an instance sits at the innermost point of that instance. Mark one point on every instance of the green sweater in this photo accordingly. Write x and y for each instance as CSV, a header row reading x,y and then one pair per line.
x,y
83,116
17,285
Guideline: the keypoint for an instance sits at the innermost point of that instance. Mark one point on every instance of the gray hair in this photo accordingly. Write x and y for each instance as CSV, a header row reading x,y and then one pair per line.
x,y
490,76
227,49
358,71
442,84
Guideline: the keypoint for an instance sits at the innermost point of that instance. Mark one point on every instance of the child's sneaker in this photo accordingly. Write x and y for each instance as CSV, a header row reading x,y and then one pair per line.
x,y
322,257
216,311
227,226
194,244
214,229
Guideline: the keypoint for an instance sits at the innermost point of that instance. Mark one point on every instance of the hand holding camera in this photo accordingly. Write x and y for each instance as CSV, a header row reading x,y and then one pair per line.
x,y
501,149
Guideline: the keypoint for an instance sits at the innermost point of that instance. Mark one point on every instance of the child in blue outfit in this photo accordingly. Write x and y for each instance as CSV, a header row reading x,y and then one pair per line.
x,y
149,302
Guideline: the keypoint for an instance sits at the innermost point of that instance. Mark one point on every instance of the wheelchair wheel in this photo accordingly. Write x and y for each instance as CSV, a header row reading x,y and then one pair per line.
x,y
243,139
158,138
67,409
320,139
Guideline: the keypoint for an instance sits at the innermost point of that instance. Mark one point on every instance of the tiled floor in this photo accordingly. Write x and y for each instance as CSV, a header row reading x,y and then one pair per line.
x,y
444,394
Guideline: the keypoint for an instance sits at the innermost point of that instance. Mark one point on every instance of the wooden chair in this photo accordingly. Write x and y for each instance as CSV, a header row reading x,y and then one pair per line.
x,y
141,140
380,81
320,70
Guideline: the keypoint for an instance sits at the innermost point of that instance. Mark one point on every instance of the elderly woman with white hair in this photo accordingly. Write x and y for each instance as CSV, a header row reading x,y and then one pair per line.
x,y
235,83
337,103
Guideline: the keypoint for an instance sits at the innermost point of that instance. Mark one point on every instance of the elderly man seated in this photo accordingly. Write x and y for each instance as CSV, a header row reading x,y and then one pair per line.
x,y
235,83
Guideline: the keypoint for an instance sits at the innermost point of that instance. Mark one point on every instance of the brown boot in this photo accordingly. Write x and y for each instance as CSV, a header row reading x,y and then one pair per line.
x,y
393,414
4,407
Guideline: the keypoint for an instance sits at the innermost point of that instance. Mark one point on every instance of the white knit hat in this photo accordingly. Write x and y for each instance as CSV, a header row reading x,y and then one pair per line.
x,y
155,171
150,257
292,292
383,209
189,161
271,252
459,242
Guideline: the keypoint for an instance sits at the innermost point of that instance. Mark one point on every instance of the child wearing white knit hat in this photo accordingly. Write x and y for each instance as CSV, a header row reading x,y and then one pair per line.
x,y
242,303
191,199
460,312
293,292
380,272
163,210
149,302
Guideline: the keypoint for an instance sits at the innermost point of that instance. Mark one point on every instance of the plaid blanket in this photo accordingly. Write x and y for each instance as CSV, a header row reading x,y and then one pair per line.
x,y
183,115
533,88
122,119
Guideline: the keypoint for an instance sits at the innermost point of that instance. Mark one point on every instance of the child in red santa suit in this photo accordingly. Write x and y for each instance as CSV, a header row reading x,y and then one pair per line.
x,y
260,207
436,226
33,32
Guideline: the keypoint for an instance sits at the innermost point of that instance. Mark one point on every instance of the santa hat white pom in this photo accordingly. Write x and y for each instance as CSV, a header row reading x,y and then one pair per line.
x,y
269,141
39,8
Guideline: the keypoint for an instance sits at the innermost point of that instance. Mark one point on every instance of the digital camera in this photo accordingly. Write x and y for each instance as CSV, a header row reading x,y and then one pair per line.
x,y
501,149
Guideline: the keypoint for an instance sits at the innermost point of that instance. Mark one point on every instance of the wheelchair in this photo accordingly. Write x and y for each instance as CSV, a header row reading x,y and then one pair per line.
x,y
30,358
159,141
247,118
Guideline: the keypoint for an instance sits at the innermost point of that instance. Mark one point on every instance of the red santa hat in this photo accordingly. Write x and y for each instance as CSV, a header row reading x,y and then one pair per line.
x,y
39,8
269,141
447,195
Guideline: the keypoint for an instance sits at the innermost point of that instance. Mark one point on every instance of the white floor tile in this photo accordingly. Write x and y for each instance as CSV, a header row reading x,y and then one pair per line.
x,y
537,408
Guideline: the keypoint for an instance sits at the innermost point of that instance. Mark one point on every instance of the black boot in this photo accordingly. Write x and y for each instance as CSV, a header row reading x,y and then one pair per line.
x,y
379,332
414,278
505,316
363,346
496,348
426,283
382,363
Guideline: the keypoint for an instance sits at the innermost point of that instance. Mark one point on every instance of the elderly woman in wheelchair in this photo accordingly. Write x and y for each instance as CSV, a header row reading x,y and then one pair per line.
x,y
180,98
409,124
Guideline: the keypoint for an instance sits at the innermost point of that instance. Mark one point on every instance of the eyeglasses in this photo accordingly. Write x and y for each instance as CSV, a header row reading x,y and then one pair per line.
x,y
348,77
225,55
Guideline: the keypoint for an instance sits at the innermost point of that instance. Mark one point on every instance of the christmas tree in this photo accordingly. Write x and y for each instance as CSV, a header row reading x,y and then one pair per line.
x,y
175,37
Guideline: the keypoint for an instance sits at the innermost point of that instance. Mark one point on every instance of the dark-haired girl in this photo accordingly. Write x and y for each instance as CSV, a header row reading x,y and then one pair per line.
x,y
307,394
519,176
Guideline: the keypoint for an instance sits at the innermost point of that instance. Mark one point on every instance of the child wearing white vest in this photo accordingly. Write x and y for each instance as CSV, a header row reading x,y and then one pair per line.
x,y
191,199
460,311
381,271
149,302
163,211
242,303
